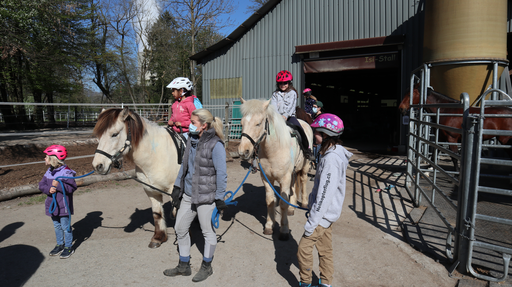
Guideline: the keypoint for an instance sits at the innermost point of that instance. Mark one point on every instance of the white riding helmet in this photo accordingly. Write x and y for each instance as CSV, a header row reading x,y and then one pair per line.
x,y
181,83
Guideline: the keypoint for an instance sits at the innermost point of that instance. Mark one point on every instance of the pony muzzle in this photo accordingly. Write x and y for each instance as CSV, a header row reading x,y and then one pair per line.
x,y
245,154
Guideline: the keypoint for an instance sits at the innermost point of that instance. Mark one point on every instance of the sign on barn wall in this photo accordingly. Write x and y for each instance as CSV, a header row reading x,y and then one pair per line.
x,y
378,61
226,88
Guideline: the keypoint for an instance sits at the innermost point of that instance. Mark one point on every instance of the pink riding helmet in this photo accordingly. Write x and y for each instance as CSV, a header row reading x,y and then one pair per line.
x,y
284,76
306,90
57,150
329,124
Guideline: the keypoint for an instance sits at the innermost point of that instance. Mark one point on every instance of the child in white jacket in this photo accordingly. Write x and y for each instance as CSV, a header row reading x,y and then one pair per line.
x,y
325,201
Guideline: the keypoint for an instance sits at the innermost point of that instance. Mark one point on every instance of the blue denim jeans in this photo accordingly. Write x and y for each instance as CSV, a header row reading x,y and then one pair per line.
x,y
316,149
61,223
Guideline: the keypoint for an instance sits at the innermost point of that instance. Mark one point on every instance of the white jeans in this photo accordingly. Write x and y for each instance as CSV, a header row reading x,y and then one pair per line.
x,y
184,218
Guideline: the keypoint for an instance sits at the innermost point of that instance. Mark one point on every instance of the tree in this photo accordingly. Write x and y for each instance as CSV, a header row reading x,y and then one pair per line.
x,y
113,52
256,5
168,53
196,16
41,42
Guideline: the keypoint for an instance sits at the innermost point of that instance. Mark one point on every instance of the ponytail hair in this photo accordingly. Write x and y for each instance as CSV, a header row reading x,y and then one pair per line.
x,y
329,142
205,116
55,162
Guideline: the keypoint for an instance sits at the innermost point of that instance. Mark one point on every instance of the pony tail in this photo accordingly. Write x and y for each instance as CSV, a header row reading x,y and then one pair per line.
x,y
205,116
218,126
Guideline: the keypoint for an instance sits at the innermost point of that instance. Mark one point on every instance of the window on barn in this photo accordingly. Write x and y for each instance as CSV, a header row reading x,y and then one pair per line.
x,y
226,88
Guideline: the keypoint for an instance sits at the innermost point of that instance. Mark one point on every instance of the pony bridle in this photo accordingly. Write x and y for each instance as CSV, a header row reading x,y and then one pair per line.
x,y
256,144
115,158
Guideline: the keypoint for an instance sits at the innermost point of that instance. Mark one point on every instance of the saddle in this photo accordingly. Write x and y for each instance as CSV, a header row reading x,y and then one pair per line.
x,y
297,134
179,141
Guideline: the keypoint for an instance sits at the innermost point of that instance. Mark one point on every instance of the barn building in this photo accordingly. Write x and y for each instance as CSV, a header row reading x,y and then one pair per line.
x,y
356,56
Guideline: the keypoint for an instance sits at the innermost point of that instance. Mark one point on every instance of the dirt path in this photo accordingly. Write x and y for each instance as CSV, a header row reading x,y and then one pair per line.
x,y
113,225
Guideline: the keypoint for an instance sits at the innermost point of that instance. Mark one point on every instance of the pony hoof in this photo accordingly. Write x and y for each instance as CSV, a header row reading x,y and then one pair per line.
x,y
284,236
291,212
267,231
154,245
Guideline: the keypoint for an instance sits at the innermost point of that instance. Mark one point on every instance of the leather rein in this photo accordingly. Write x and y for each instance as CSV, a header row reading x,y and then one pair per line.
x,y
115,158
256,144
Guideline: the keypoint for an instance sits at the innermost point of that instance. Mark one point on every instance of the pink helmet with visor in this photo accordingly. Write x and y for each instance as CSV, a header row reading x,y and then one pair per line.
x,y
329,124
57,150
307,90
284,76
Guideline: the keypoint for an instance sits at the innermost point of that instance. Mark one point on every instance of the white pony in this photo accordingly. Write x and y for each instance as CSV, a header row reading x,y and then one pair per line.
x,y
122,132
280,156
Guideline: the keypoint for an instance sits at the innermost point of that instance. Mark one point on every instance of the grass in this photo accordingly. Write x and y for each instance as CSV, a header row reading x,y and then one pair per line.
x,y
34,200
81,191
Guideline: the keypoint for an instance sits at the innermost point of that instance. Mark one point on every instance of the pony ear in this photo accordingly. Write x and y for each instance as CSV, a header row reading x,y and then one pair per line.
x,y
102,110
125,113
416,86
242,100
266,104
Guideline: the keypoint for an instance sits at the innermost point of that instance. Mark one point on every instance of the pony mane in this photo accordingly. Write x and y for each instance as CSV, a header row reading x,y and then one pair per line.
x,y
251,107
133,122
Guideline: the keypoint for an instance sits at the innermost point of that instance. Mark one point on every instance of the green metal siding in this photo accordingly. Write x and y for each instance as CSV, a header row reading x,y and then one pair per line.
x,y
269,45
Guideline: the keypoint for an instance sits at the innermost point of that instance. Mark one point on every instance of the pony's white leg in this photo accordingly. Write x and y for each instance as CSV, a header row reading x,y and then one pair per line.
x,y
302,181
293,195
160,235
284,231
271,204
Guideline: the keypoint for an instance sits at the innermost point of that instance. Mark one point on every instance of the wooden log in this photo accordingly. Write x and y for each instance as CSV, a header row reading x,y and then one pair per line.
x,y
10,193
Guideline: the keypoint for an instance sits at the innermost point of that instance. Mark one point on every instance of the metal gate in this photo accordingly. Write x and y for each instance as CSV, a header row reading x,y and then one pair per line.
x,y
475,204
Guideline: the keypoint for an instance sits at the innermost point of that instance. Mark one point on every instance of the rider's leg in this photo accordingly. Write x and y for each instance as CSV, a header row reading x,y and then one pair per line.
x,y
294,121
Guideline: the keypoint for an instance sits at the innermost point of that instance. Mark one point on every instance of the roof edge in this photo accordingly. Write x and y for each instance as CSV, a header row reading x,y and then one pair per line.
x,y
350,44
238,32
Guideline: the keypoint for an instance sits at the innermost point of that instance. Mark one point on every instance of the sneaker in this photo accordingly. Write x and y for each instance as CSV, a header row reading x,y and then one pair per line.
x,y
57,250
66,252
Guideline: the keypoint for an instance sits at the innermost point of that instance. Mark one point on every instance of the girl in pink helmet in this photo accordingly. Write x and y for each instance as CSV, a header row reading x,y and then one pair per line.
x,y
325,201
284,99
309,101
55,205
183,105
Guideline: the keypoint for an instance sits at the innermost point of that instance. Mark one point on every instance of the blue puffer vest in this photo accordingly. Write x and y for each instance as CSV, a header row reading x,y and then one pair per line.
x,y
204,178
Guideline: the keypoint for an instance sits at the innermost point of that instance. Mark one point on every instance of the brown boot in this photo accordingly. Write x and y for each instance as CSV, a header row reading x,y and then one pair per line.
x,y
205,271
183,268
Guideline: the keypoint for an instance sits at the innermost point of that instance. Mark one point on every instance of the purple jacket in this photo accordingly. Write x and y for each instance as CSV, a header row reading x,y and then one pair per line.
x,y
308,105
69,184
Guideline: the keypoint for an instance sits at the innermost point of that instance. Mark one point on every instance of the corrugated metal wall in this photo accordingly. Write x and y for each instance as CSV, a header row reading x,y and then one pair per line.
x,y
269,46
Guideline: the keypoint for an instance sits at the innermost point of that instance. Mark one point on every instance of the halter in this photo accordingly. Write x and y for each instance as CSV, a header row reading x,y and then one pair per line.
x,y
115,158
256,144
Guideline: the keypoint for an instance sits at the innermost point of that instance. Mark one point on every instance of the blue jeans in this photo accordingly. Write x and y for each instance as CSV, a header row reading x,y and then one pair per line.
x,y
316,149
61,223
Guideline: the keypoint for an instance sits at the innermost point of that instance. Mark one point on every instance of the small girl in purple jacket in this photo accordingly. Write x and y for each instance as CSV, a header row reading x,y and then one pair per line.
x,y
55,206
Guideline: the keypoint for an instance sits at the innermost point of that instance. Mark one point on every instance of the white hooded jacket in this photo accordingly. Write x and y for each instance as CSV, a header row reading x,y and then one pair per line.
x,y
326,198
285,102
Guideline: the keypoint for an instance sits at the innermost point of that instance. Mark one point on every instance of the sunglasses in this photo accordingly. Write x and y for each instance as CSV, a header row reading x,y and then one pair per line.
x,y
284,83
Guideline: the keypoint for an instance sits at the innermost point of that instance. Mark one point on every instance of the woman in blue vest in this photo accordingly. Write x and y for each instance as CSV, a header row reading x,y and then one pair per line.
x,y
199,188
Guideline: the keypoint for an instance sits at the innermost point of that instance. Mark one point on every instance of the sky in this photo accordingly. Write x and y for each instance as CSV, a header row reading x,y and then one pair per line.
x,y
238,16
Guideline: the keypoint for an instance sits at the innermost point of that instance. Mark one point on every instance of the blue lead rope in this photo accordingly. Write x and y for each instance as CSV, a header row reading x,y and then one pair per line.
x,y
53,205
228,201
278,195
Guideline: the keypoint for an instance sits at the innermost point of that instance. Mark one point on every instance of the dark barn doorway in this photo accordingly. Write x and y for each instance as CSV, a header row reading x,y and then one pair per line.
x,y
367,102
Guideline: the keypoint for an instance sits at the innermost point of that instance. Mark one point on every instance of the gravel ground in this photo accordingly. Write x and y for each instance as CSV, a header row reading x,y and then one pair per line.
x,y
113,226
